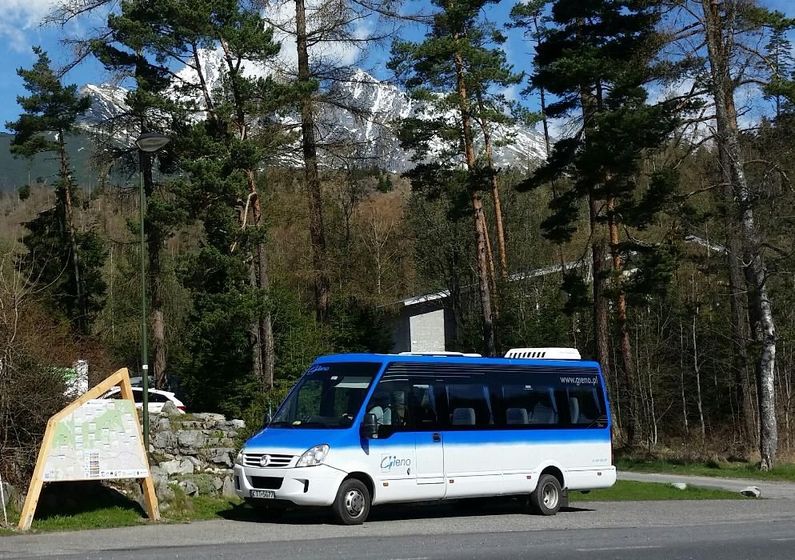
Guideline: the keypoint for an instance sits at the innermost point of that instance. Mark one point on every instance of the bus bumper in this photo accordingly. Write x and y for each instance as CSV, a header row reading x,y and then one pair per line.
x,y
307,486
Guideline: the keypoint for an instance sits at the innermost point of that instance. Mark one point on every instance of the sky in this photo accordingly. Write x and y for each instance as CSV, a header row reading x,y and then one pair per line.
x,y
21,28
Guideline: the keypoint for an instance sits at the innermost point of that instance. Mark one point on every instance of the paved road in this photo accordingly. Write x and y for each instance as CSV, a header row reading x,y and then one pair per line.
x,y
770,489
725,530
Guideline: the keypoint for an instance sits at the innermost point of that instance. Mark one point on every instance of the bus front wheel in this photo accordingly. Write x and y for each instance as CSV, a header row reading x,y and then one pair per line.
x,y
547,497
352,504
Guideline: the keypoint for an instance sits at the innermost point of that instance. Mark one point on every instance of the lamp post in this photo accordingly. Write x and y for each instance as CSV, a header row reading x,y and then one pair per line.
x,y
147,143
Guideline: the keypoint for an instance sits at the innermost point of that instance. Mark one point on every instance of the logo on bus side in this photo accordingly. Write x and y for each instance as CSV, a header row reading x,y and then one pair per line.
x,y
579,380
389,462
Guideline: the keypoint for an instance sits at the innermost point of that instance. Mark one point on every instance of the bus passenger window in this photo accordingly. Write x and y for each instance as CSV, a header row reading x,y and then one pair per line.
x,y
422,410
543,411
530,405
463,398
585,407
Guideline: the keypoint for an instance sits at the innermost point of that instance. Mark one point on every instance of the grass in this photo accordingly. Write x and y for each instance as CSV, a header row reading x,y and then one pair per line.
x,y
107,508
627,490
785,472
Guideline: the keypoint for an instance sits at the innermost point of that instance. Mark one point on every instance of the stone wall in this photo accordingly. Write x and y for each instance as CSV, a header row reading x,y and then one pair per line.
x,y
195,452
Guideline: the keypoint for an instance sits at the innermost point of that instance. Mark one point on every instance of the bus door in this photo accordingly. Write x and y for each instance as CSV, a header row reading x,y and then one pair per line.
x,y
407,457
428,438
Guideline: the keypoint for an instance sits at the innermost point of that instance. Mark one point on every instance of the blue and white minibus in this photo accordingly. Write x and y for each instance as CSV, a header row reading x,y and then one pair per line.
x,y
364,429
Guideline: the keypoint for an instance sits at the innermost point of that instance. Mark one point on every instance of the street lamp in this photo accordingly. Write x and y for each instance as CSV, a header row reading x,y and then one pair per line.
x,y
147,143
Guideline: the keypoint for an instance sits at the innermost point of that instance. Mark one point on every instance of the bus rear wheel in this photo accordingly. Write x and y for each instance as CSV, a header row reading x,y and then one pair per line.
x,y
547,498
352,504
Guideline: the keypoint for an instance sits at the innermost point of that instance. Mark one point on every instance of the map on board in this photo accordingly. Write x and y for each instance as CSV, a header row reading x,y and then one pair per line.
x,y
99,440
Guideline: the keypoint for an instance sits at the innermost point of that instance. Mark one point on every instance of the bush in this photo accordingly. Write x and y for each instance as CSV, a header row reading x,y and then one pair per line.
x,y
32,345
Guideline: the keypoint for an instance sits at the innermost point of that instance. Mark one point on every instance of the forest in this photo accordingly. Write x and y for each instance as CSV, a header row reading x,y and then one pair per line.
x,y
633,199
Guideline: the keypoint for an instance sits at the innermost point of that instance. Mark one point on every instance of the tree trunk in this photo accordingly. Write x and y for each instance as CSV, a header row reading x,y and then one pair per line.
x,y
154,243
628,365
495,195
719,45
697,371
265,323
66,192
739,316
495,311
682,378
261,329
309,147
477,211
601,319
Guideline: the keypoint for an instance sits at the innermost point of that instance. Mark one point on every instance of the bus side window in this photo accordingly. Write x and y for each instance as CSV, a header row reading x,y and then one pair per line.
x,y
544,409
585,406
422,407
529,405
466,400
388,403
404,404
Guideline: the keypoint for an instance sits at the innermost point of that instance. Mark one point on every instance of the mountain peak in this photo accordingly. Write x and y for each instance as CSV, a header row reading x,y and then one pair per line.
x,y
359,116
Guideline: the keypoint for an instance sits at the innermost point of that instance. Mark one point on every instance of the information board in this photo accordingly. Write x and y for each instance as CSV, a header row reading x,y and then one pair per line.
x,y
98,441
93,439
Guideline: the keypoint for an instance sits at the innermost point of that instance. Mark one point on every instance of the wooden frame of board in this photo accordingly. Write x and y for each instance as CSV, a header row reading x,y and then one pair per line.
x,y
120,378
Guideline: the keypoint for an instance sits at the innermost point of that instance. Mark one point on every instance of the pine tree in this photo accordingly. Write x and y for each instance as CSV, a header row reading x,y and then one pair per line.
x,y
62,258
221,155
781,63
596,59
455,71
722,23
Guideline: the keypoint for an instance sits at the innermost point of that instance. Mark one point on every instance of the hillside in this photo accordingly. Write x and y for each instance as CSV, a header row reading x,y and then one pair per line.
x,y
42,169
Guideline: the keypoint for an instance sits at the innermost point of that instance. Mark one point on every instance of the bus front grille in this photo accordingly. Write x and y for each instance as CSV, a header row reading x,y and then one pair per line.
x,y
270,460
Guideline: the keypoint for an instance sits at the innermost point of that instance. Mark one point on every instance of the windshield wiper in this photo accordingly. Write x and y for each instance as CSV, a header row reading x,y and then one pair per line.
x,y
600,421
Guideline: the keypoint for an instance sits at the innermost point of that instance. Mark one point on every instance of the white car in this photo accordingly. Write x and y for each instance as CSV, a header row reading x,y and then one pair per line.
x,y
157,399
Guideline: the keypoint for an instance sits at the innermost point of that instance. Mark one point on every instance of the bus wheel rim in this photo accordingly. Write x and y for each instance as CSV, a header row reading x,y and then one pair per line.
x,y
550,496
354,503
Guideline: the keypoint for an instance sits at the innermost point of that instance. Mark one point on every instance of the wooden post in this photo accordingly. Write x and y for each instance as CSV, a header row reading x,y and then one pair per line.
x,y
122,379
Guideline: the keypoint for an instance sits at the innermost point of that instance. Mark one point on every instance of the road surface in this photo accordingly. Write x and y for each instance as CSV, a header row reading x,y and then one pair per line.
x,y
725,530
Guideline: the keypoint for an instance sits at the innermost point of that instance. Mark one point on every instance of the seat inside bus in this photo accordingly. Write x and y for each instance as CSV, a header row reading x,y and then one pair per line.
x,y
463,417
516,416
574,409
543,412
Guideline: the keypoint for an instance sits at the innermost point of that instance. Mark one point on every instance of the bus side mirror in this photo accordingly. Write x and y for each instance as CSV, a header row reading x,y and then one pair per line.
x,y
369,429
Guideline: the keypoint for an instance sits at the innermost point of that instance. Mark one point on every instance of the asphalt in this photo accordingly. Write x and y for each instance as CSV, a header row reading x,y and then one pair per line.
x,y
725,530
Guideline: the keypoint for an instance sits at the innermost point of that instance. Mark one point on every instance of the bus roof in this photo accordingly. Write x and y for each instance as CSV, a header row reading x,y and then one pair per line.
x,y
448,359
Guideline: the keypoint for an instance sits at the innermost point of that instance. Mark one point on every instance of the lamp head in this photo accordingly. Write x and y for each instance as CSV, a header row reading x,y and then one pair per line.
x,y
151,142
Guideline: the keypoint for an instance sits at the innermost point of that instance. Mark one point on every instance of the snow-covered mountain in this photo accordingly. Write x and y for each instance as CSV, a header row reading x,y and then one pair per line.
x,y
358,121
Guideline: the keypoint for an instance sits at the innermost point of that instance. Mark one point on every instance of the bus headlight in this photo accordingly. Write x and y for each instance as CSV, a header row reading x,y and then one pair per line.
x,y
313,456
239,459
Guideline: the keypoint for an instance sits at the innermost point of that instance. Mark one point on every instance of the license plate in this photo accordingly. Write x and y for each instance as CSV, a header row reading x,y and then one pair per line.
x,y
267,494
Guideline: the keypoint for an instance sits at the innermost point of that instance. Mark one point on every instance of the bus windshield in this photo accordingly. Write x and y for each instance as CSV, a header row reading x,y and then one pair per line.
x,y
327,396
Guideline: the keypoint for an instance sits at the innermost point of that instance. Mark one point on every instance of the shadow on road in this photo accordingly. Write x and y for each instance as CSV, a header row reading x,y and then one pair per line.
x,y
390,512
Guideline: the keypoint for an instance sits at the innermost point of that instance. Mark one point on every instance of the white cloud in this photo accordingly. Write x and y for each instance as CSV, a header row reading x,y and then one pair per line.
x,y
512,92
19,16
334,50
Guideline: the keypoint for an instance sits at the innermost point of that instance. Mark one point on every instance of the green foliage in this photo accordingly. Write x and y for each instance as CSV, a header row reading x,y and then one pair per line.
x,y
67,263
357,327
598,58
49,111
23,192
